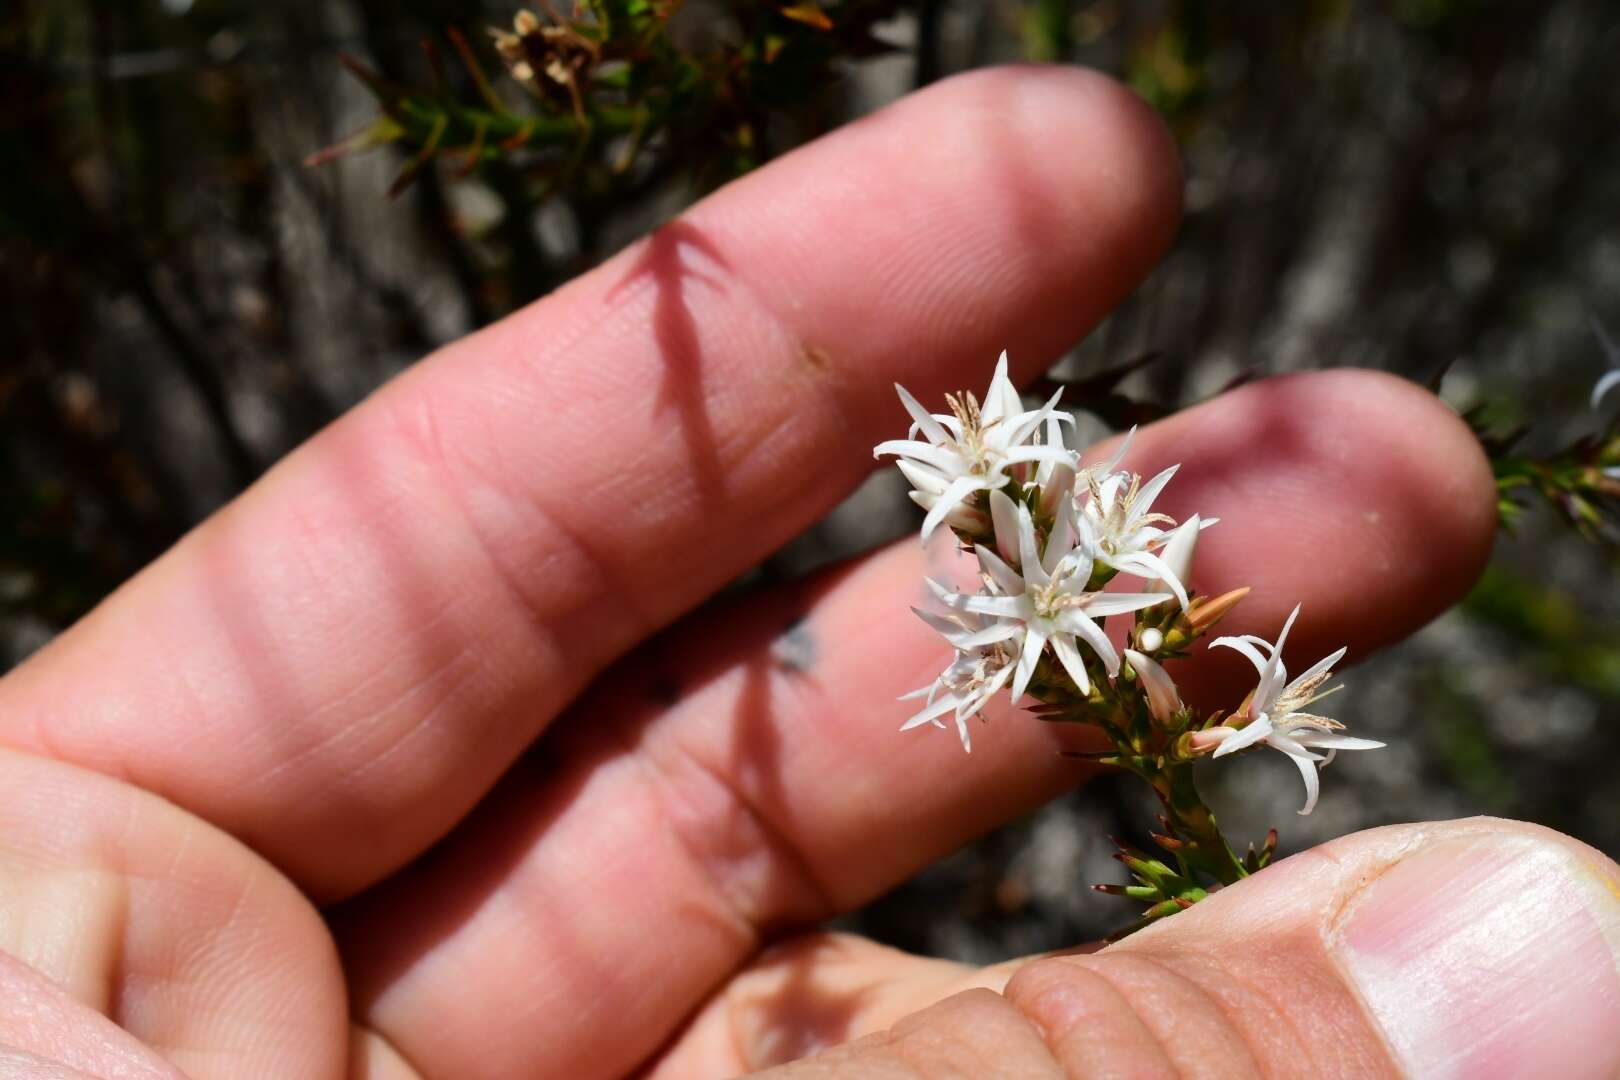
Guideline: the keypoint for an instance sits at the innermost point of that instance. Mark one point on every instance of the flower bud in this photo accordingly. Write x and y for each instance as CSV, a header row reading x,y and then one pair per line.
x,y
1205,613
1202,742
1163,701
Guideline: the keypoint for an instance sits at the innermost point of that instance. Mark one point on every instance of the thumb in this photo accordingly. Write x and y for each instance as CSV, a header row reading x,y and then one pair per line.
x,y
1470,948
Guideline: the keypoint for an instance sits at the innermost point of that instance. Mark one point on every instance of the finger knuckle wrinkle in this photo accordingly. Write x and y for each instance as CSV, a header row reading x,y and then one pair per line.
x,y
553,572
1130,1015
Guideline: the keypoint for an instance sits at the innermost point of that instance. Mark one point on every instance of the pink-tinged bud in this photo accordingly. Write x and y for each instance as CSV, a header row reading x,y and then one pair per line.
x,y
1202,742
1163,700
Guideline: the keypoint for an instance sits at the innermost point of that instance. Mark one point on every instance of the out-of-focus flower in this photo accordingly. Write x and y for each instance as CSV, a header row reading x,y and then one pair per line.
x,y
1612,379
972,449
1604,385
986,654
1276,713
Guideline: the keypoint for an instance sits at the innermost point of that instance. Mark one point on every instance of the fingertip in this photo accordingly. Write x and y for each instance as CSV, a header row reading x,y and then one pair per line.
x,y
1419,445
1355,491
1111,164
1096,172
1387,946
1007,208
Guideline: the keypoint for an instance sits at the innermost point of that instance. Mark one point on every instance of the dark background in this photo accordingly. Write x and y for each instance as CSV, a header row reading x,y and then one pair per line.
x,y
1400,185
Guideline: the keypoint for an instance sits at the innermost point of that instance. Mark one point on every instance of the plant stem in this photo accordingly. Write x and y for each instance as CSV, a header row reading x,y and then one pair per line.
x,y
1206,849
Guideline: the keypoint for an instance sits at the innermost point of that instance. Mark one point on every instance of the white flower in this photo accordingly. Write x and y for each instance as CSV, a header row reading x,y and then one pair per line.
x,y
1604,385
1612,379
1163,699
1121,530
970,450
1275,716
1045,600
981,667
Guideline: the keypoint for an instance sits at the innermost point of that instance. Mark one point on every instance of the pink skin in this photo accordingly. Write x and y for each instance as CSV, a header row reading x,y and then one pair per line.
x,y
339,667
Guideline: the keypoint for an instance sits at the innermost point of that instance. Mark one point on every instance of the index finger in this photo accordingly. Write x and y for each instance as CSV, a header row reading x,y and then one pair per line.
x,y
337,666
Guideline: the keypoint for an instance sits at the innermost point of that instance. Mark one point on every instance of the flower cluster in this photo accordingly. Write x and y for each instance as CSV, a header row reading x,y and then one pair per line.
x,y
1050,533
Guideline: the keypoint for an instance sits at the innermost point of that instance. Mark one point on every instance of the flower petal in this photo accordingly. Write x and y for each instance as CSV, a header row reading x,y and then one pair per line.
x,y
1244,646
1177,554
961,516
1029,560
935,709
1287,626
1323,665
1313,783
946,461
1118,603
945,626
1004,515
1337,742
988,636
1069,657
1076,623
1256,731
921,418
1004,607
949,597
1034,642
1150,491
1006,578
925,478
1155,571
1604,385
1060,541
960,489
1024,426
1055,454
1119,455
963,733
1001,401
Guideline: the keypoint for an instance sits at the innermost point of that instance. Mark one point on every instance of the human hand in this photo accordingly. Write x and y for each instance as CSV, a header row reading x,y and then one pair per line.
x,y
418,678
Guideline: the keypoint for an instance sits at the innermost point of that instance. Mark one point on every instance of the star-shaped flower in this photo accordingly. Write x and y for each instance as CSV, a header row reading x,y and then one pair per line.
x,y
972,449
986,653
1120,529
1045,599
1276,715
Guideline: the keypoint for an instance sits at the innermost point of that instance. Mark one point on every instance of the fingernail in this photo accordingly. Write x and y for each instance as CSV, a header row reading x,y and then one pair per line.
x,y
1491,957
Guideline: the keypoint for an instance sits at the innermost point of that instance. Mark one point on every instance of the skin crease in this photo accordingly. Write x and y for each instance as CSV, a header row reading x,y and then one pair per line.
x,y
371,683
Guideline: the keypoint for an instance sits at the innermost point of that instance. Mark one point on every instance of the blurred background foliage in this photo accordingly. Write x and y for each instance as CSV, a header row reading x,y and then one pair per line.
x,y
1429,187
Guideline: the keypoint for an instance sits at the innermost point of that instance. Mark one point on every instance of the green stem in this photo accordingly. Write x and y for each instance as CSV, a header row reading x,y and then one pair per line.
x,y
1206,849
